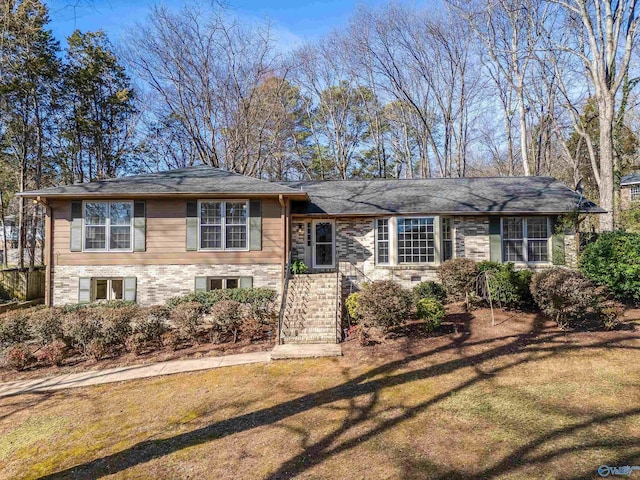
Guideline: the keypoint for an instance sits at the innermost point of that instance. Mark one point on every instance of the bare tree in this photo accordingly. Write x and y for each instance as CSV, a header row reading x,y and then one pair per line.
x,y
602,35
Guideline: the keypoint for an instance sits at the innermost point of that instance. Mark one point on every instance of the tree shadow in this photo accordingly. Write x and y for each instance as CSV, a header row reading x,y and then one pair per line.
x,y
362,395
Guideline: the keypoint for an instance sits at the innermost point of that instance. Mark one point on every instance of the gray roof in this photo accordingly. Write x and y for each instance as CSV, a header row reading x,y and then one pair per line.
x,y
440,195
630,179
201,179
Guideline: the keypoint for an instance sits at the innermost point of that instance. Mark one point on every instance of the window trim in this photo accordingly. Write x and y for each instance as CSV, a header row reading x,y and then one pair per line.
x,y
94,288
634,196
525,240
451,239
313,243
388,241
224,282
223,231
436,233
107,226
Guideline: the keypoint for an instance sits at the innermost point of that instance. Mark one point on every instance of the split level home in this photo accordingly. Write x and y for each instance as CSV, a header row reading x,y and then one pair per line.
x,y
147,238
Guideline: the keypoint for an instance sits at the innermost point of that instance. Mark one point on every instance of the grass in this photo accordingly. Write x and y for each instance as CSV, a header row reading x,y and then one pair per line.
x,y
519,400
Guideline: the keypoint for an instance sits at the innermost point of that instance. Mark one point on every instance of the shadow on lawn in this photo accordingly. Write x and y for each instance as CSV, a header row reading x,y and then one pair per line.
x,y
362,394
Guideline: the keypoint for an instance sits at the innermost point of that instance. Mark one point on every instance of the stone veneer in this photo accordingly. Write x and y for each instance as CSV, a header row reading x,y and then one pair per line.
x,y
355,244
157,283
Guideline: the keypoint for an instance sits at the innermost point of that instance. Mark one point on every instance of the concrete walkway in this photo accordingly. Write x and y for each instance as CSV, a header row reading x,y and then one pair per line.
x,y
85,379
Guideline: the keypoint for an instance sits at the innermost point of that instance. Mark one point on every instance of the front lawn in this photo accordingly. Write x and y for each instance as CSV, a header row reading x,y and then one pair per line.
x,y
522,399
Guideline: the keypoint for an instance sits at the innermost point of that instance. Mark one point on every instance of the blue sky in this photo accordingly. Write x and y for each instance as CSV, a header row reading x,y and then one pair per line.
x,y
293,21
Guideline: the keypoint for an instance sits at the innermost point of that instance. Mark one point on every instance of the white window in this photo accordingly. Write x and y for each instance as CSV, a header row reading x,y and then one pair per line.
x,y
416,240
382,241
223,225
525,239
222,283
107,226
634,192
107,289
447,240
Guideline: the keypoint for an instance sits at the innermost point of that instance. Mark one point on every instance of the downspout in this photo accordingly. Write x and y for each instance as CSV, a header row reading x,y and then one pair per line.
x,y
48,256
283,216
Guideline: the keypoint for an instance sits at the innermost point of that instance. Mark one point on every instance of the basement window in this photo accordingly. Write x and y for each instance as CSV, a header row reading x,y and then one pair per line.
x,y
223,283
107,289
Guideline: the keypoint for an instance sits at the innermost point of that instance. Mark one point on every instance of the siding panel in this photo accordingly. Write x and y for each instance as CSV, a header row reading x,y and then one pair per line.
x,y
166,236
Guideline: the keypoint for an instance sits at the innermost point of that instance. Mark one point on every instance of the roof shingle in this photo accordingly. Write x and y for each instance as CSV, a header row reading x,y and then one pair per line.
x,y
440,195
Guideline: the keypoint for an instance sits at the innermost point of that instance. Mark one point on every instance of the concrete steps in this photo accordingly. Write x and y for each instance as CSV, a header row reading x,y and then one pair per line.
x,y
282,352
310,310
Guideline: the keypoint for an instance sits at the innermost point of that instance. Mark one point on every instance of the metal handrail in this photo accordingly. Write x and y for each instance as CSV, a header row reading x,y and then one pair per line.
x,y
358,273
338,302
283,301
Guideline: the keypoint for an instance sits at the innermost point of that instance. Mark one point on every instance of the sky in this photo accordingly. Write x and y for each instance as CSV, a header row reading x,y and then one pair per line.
x,y
293,22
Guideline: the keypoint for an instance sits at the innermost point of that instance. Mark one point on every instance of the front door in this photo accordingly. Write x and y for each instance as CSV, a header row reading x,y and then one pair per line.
x,y
323,236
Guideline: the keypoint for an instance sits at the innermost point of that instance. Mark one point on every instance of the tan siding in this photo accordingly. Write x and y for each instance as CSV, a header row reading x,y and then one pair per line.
x,y
166,238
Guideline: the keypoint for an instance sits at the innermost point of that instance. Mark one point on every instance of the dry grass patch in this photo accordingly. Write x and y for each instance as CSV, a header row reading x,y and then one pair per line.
x,y
519,400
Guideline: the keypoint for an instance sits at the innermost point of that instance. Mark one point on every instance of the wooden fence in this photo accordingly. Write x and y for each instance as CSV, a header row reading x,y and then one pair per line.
x,y
22,284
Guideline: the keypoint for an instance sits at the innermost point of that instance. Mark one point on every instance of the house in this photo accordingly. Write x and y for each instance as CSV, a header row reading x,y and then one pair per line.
x,y
629,190
150,237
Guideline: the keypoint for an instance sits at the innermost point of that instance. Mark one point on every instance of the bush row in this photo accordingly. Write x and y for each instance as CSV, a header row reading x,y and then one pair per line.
x,y
108,328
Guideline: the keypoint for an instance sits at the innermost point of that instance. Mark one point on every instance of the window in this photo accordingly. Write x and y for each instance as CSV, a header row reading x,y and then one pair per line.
x,y
447,240
222,283
635,193
223,225
525,239
382,240
107,289
416,243
107,226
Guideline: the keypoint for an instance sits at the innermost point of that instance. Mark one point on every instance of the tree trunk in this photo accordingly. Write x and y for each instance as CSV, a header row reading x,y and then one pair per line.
x,y
606,116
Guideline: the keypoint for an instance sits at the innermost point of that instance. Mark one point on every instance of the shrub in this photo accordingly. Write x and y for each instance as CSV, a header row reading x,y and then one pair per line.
x,y
52,354
135,343
261,300
18,356
187,317
384,304
352,304
430,290
46,325
115,324
227,317
609,313
97,349
173,339
14,328
298,266
458,276
431,311
563,294
507,287
613,260
80,328
151,323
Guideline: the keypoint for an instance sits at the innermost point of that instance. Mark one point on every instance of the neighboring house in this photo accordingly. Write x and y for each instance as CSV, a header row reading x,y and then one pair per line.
x,y
150,237
629,190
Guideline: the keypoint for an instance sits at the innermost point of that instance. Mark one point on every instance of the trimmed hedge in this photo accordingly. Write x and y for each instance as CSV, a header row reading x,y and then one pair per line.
x,y
384,304
613,260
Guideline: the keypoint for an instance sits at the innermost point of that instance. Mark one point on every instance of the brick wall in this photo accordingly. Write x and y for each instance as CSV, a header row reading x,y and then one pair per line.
x,y
355,249
157,283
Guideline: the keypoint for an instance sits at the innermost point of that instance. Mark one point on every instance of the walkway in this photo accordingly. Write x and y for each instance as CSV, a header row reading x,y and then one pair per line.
x,y
85,379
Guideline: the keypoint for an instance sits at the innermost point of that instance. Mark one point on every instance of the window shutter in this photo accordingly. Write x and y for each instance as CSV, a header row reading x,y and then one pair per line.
x,y
495,240
246,282
255,225
201,284
139,227
84,290
76,227
192,226
129,293
557,242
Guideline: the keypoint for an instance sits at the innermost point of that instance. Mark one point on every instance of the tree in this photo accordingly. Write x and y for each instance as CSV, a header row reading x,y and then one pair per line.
x,y
29,69
602,35
100,112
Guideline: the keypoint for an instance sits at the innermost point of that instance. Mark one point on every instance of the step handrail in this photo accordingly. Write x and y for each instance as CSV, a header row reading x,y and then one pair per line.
x,y
283,301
